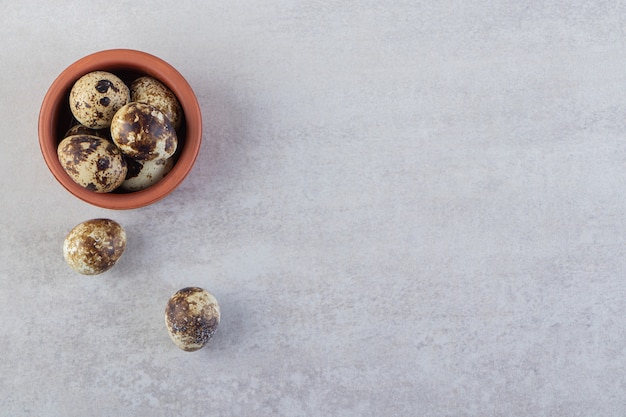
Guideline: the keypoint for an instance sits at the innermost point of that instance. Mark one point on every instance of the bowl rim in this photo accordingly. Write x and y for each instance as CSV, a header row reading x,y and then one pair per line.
x,y
122,59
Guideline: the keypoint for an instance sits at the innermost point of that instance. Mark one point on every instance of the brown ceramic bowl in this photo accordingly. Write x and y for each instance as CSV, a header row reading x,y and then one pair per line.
x,y
55,119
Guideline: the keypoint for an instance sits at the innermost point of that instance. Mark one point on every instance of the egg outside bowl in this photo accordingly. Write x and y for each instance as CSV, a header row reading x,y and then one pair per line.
x,y
55,119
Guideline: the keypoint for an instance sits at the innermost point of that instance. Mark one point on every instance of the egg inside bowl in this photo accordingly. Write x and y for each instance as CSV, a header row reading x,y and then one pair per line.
x,y
55,119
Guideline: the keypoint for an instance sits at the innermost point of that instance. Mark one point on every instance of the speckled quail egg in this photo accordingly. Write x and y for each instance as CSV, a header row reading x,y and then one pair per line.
x,y
84,130
192,316
95,98
152,91
94,246
143,174
143,132
92,162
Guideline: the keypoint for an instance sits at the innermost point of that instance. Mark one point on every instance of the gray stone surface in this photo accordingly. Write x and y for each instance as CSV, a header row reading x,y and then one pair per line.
x,y
405,208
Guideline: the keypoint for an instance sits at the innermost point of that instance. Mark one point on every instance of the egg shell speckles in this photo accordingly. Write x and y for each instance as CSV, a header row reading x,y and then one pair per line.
x,y
151,91
143,132
94,246
92,162
192,316
96,96
143,174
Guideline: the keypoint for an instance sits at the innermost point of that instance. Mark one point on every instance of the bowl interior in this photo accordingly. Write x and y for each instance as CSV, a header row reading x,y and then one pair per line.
x,y
55,119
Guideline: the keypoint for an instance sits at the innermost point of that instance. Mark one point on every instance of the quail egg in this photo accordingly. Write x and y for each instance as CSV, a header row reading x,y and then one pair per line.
x,y
151,91
95,98
83,130
192,316
94,246
143,132
143,174
92,162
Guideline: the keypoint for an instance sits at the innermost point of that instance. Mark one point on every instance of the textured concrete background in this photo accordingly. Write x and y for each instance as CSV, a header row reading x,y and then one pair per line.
x,y
405,208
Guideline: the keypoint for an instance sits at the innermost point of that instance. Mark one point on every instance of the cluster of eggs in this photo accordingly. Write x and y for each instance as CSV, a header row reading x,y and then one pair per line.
x,y
192,314
126,135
